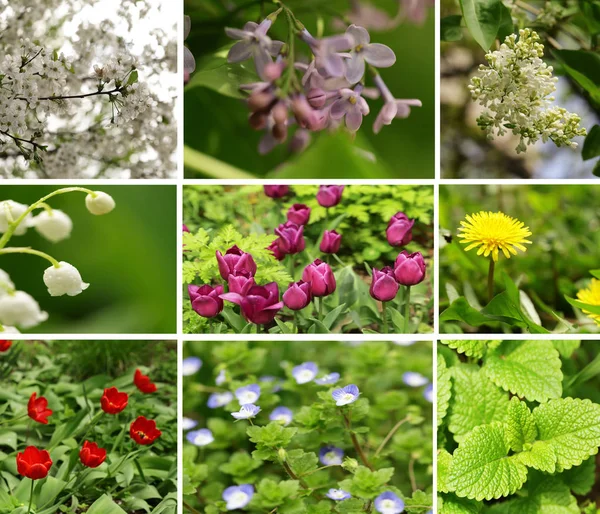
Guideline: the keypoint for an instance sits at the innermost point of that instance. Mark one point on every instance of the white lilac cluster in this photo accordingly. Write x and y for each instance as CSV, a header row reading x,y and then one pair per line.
x,y
515,88
86,102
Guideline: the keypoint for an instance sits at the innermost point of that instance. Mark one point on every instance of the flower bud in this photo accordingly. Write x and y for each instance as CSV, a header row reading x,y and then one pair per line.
x,y
350,464
298,214
383,285
297,295
206,300
20,309
276,191
99,203
274,248
279,113
316,98
280,132
291,238
258,120
321,278
16,210
304,113
300,140
329,196
282,454
409,268
399,230
273,70
235,262
260,101
54,225
331,242
64,280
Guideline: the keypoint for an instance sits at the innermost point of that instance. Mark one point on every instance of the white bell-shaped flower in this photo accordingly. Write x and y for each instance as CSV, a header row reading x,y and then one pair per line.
x,y
54,225
20,309
6,284
14,210
64,280
99,204
8,330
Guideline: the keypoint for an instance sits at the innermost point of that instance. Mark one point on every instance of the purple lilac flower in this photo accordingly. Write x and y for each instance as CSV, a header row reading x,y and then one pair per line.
x,y
188,423
190,366
246,411
329,61
221,378
200,437
338,494
393,108
375,54
248,394
331,378
238,496
282,414
351,105
305,372
414,379
428,393
345,395
331,455
217,400
416,10
388,503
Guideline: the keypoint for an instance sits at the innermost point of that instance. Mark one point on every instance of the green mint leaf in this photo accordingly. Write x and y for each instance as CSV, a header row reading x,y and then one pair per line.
x,y
581,479
469,348
444,461
444,390
452,504
520,425
566,348
541,456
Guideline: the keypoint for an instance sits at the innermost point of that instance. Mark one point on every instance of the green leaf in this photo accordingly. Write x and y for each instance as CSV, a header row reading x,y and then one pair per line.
x,y
583,67
585,307
482,18
270,494
581,479
452,504
273,435
540,456
333,315
450,29
566,347
444,462
474,349
240,464
520,425
444,389
50,489
572,427
8,438
486,474
591,145
366,483
302,462
104,505
133,78
460,310
350,506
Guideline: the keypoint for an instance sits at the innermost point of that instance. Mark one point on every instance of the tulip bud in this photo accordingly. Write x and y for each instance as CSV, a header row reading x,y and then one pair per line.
x,y
235,262
321,278
277,253
329,196
409,268
206,301
64,279
316,98
383,285
399,230
331,242
99,203
276,191
54,225
291,238
185,229
240,284
16,210
298,214
297,295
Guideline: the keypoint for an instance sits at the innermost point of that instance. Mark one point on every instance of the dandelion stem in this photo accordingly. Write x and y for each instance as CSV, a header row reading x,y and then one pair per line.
x,y
406,310
384,316
491,280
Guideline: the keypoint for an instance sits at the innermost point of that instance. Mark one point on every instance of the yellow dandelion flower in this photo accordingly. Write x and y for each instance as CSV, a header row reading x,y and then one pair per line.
x,y
591,296
494,231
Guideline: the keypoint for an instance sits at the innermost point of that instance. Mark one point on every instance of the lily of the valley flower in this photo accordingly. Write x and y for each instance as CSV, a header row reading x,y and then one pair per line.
x,y
54,225
9,213
99,203
64,279
20,309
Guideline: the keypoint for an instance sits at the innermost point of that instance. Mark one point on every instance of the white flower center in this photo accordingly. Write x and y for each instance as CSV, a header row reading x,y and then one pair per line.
x,y
347,397
249,397
237,500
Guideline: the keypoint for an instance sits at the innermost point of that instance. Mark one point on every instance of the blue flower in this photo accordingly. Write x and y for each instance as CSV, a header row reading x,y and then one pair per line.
x,y
331,455
190,366
388,503
332,378
188,423
338,495
246,411
428,393
248,394
305,372
200,437
216,400
282,414
345,395
414,379
220,377
238,496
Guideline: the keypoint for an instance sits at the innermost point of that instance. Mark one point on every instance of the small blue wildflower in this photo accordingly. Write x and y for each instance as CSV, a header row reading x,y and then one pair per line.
x,y
282,414
414,379
220,378
200,437
388,503
428,393
238,496
217,400
345,395
331,455
190,366
246,411
188,423
248,394
338,495
305,372
332,378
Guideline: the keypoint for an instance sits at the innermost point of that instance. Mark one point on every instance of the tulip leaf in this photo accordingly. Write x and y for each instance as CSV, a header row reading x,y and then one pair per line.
x,y
318,327
8,438
483,19
235,320
397,320
104,505
50,489
283,327
332,316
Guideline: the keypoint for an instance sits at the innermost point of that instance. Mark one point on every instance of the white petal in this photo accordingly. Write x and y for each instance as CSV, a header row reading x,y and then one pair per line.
x,y
379,55
355,68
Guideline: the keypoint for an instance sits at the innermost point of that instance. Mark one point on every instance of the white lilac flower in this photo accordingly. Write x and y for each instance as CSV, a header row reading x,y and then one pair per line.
x,y
200,437
188,423
329,59
4,329
6,284
338,494
345,395
99,203
351,105
363,50
515,88
305,372
54,225
9,213
190,365
388,503
428,393
282,414
248,394
414,379
64,279
221,378
238,496
246,411
21,310
393,107
331,456
330,378
217,400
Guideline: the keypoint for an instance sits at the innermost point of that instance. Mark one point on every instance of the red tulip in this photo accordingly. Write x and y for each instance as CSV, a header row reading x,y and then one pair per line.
x,y
143,382
113,401
91,456
37,409
5,345
143,431
34,463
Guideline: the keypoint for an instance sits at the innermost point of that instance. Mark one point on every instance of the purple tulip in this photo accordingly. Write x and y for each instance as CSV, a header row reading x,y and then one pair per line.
x,y
185,229
298,214
291,238
409,268
206,300
321,278
297,295
274,248
235,262
329,196
331,242
276,191
240,284
260,304
399,230
383,286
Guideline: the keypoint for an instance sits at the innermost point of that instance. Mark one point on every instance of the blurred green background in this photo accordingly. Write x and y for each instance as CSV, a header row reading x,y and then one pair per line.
x,y
128,256
217,125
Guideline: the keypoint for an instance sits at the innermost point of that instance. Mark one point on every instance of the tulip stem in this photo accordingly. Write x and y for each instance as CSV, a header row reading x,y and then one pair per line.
x,y
31,496
407,309
491,280
384,316
321,308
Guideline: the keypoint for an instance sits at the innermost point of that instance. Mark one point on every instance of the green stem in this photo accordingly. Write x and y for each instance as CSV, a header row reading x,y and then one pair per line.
x,y
355,442
291,266
384,316
16,418
390,435
406,309
491,279
31,496
321,308
31,251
